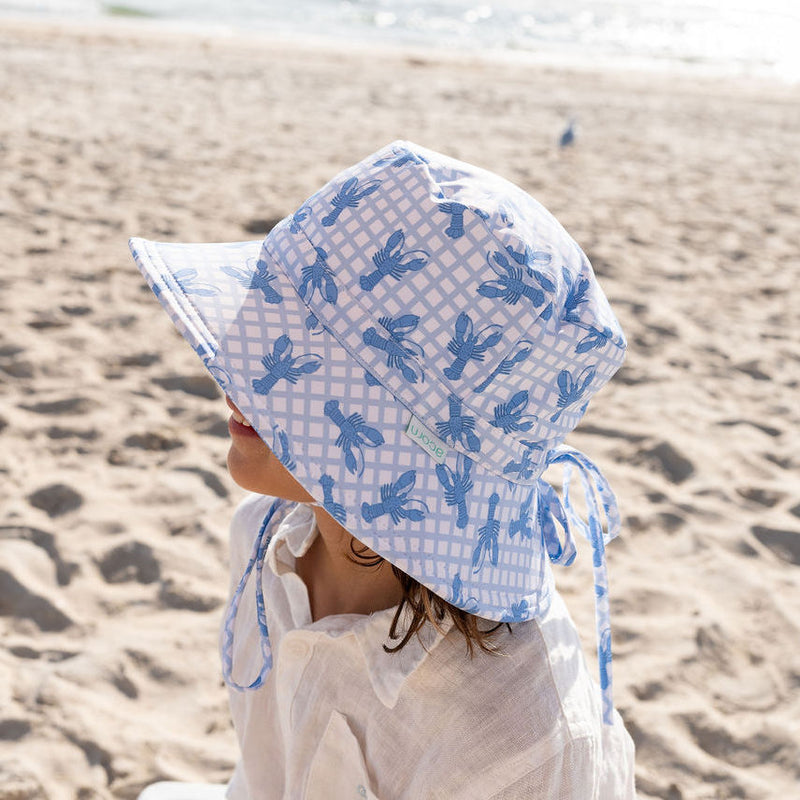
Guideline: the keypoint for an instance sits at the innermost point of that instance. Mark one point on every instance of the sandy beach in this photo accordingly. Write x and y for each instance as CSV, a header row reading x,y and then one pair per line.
x,y
114,498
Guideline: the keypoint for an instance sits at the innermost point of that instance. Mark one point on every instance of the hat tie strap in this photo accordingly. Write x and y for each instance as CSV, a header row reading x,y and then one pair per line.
x,y
256,561
594,486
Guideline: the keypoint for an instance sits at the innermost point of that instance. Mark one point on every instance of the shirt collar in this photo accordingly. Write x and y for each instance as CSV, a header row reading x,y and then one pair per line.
x,y
387,672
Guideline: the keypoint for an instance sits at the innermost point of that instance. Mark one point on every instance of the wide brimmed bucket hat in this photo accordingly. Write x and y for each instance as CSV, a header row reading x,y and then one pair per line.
x,y
414,343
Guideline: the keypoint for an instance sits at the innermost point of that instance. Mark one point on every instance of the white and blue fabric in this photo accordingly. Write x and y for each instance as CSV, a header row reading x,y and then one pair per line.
x,y
414,343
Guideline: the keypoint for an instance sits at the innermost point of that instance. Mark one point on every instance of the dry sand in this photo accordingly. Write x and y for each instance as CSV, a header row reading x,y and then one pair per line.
x,y
113,493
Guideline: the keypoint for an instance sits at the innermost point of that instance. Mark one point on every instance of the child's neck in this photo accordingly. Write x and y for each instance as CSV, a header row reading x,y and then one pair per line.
x,y
335,584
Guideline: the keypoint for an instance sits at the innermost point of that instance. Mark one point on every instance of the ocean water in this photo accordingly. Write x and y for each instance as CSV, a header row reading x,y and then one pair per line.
x,y
736,37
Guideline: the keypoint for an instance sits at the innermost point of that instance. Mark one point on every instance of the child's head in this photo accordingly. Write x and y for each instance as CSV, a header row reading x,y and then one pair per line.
x,y
412,344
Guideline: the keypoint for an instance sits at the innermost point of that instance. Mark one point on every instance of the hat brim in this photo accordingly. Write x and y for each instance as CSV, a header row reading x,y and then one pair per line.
x,y
343,435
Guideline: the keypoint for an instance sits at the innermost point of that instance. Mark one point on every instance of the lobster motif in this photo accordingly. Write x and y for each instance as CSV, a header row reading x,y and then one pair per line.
x,y
280,446
522,525
521,351
457,596
595,338
571,389
395,501
456,485
466,345
511,285
487,537
391,260
258,280
459,429
185,280
397,349
281,365
518,612
336,510
509,417
301,215
349,195
354,434
318,277
455,230
400,158
525,467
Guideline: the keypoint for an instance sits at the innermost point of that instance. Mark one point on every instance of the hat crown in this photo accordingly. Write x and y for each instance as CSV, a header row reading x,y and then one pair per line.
x,y
459,293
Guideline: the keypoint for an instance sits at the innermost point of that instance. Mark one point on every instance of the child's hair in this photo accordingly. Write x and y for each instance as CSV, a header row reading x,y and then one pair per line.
x,y
420,605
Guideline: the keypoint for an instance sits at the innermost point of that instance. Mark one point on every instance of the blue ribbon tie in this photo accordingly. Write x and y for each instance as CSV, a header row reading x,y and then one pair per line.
x,y
552,510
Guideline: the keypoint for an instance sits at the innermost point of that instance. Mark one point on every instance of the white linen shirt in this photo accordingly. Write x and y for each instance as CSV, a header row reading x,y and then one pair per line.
x,y
338,717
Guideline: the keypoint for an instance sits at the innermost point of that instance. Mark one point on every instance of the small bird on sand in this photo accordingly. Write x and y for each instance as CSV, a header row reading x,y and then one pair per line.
x,y
570,132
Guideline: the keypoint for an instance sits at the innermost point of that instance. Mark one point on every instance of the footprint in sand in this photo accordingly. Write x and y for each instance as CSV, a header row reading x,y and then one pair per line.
x,y
196,385
20,600
762,747
667,460
184,595
139,360
47,542
12,730
210,479
131,561
56,499
768,429
758,495
58,432
152,441
69,405
784,544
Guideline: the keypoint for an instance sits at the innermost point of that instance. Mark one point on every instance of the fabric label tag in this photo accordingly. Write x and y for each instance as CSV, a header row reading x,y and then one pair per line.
x,y
428,441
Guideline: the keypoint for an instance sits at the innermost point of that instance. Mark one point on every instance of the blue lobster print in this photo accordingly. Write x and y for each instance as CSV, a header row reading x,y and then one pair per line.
x,y
525,467
456,485
258,280
318,277
282,365
391,260
186,281
349,195
596,338
400,158
520,352
299,216
511,285
576,296
518,612
336,510
354,434
457,596
280,447
455,230
572,388
467,345
509,416
398,350
487,537
395,501
523,524
460,428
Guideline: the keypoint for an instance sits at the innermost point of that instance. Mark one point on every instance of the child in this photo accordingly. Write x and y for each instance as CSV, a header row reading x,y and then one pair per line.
x,y
403,357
